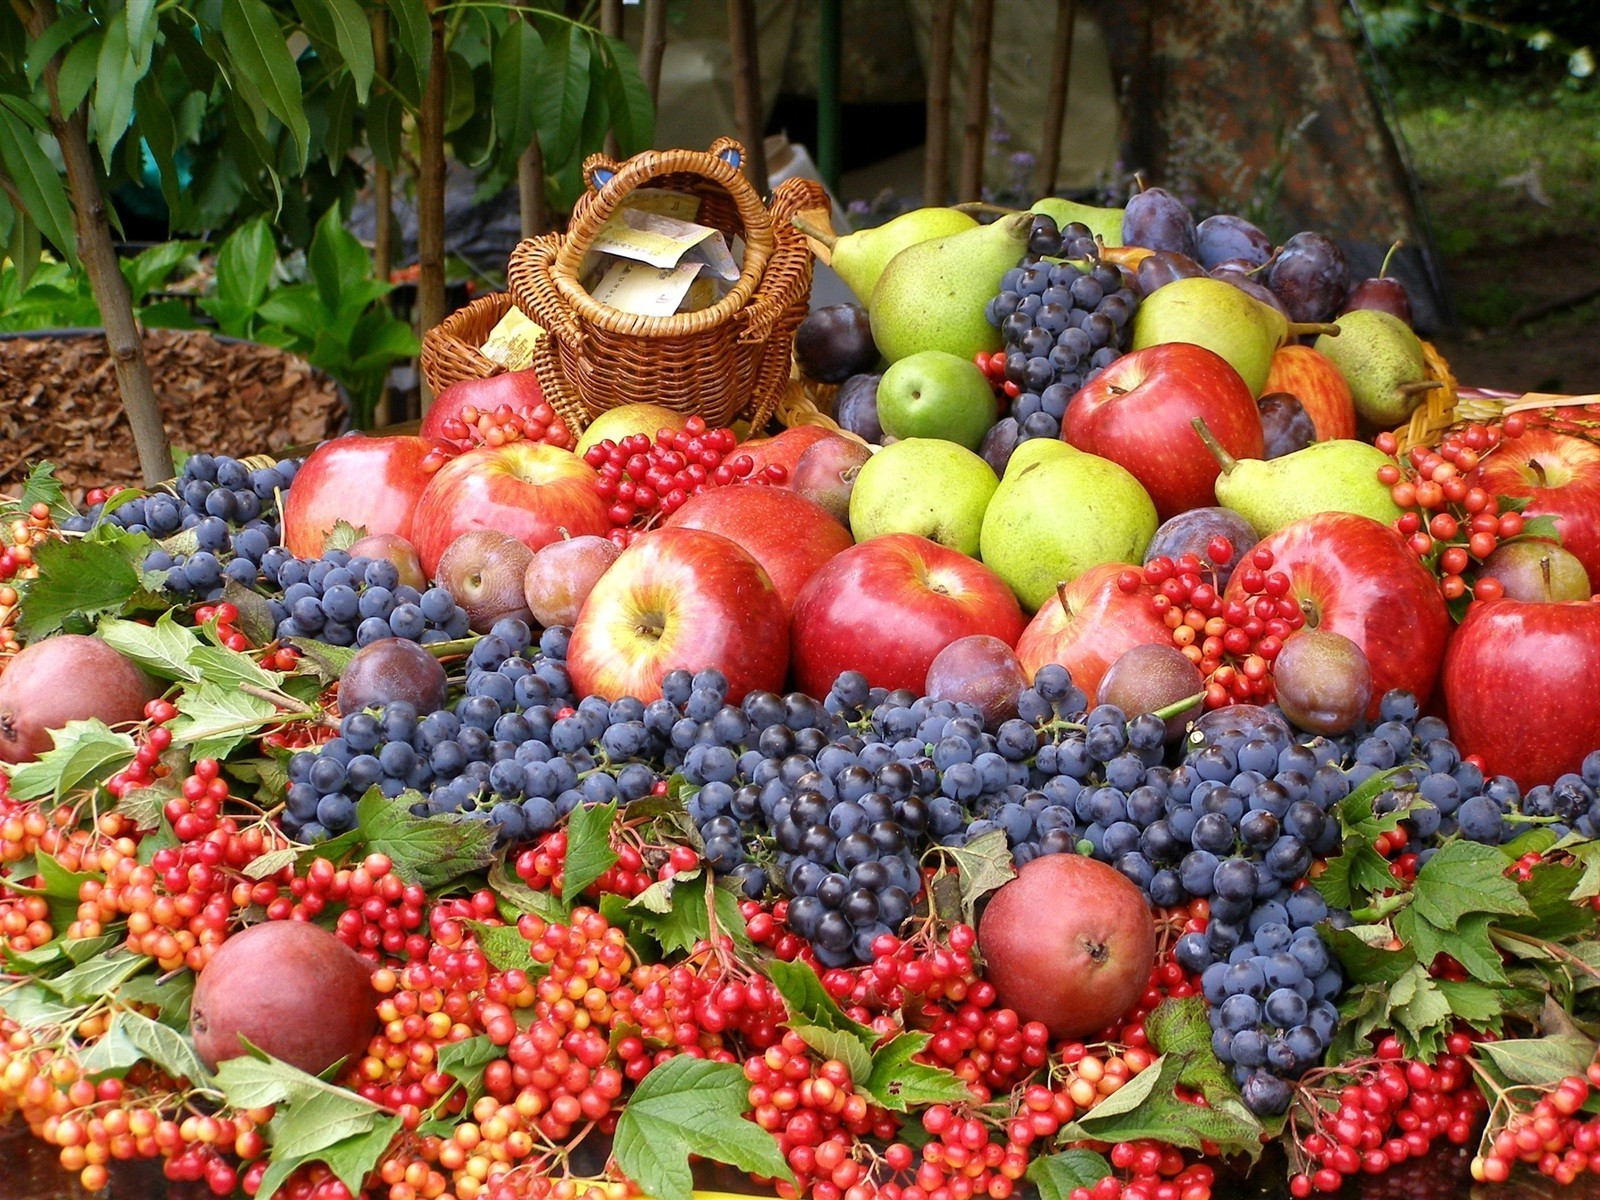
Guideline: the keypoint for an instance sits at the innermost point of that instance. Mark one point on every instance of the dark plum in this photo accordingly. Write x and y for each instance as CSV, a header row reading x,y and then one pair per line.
x,y
855,407
1285,424
1191,532
999,442
1157,219
1226,236
835,342
1310,276
1324,682
1149,678
392,669
1161,268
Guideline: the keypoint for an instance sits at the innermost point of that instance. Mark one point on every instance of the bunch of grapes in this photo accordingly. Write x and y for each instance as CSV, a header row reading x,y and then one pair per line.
x,y
347,601
1064,317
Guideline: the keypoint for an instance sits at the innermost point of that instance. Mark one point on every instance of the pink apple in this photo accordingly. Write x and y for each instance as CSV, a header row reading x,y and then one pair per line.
x,y
534,492
1559,475
1089,624
1522,687
1312,379
679,599
888,606
513,390
784,450
1138,412
371,483
790,536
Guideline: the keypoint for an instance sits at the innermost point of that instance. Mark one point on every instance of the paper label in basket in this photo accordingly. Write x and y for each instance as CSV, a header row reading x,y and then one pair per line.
x,y
682,205
511,341
646,291
649,237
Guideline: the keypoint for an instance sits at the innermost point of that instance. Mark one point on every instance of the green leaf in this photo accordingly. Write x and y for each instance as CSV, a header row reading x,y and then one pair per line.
x,y
589,852
142,20
518,897
517,61
465,1061
101,974
32,1007
326,660
1419,1010
84,754
982,865
115,77
164,1046
899,1083
1057,1176
834,1044
1464,877
38,184
41,487
1543,1060
688,1106
170,995
212,720
78,70
1180,1027
506,949
385,130
1468,943
113,1052
1146,1107
356,1157
1549,892
61,31
261,55
245,264
162,649
1587,855
79,578
1478,1005
414,40
633,111
353,34
263,866
217,666
808,1001
562,92
430,851
674,912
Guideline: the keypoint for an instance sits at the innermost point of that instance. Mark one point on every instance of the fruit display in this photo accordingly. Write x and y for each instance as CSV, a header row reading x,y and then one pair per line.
x,y
1094,760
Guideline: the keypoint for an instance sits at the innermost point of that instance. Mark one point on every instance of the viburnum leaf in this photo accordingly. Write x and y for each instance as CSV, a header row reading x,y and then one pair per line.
x,y
517,897
1057,1176
1419,1010
1151,1109
1464,877
1542,1060
1363,961
170,995
39,487
164,1046
430,851
255,612
113,1052
674,912
143,805
327,661
1549,891
162,649
1468,943
343,535
84,753
982,865
466,1060
506,949
212,719
354,1158
270,863
311,1115
80,578
228,668
1587,853
33,1008
808,1001
1180,1027
589,852
99,975
845,1047
689,1106
1478,1005
899,1083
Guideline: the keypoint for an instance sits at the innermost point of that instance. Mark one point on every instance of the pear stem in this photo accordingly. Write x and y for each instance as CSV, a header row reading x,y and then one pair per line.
x,y
812,230
1425,385
1306,328
972,207
1544,569
1179,706
1218,451
1383,271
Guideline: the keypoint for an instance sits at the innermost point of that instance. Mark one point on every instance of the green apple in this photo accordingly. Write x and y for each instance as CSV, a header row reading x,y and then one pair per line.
x,y
926,486
936,395
1058,512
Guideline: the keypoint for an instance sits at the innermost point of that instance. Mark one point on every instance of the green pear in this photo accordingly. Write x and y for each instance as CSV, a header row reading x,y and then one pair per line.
x,y
1058,512
1215,314
860,257
932,295
1382,361
926,486
936,395
1336,476
1104,223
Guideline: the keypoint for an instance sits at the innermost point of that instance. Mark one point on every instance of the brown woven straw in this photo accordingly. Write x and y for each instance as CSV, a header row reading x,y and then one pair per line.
x,y
450,350
723,362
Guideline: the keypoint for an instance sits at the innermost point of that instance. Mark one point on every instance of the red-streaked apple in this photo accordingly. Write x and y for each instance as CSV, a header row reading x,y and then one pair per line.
x,y
370,483
1312,379
1089,624
1559,476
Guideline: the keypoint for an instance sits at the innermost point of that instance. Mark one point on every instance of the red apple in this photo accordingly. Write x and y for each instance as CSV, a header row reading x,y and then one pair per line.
x,y
396,550
1560,477
1352,575
370,483
1138,413
515,390
679,599
790,536
784,450
534,492
1312,379
888,606
1069,942
1089,625
1522,687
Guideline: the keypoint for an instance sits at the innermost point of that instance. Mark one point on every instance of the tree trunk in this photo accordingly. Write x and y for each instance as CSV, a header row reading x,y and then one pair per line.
x,y
382,198
975,132
654,46
611,26
936,155
99,258
747,107
430,189
530,190
1055,109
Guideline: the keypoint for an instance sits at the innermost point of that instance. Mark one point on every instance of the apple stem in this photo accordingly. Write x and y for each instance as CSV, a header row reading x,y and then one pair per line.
x,y
1307,328
1537,468
1309,610
1423,385
1218,450
812,230
1061,595
1383,271
1544,569
1179,706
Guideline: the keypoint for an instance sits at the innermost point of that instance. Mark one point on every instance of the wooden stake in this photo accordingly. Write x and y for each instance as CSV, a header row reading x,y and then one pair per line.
x,y
611,26
936,152
382,207
975,131
430,189
747,107
654,46
1055,109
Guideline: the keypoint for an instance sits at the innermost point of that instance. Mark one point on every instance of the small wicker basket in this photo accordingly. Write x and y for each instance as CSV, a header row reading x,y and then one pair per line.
x,y
450,350
724,362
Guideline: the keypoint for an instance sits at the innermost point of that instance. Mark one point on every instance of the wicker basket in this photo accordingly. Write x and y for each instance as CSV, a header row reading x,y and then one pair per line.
x,y
724,362
450,350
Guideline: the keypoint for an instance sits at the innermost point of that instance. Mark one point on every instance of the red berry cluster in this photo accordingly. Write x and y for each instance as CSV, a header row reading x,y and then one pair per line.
x,y
542,866
1232,642
497,427
814,1111
918,968
382,914
1369,1115
993,367
153,742
962,1158
1156,1172
768,928
644,480
701,1002
1551,1134
224,615
990,1049
1449,522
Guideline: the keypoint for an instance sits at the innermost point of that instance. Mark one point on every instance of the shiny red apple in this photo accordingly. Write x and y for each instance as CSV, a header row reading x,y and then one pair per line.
x,y
679,599
790,536
1522,686
1089,624
1138,412
515,390
1312,379
1352,575
371,483
1559,475
534,492
888,606
784,450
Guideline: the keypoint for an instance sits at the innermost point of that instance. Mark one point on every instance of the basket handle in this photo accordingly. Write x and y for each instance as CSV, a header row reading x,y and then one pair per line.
x,y
720,165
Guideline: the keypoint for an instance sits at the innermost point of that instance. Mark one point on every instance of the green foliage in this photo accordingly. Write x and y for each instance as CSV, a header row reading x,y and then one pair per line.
x,y
56,295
